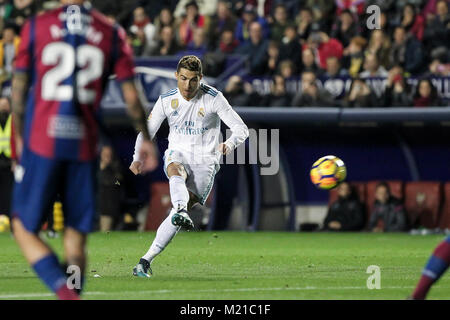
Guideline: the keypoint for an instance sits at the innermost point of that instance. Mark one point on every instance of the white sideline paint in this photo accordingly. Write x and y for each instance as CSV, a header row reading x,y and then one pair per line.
x,y
96,293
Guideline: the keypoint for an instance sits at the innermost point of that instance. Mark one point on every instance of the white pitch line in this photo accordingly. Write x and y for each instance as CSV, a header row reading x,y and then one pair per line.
x,y
95,293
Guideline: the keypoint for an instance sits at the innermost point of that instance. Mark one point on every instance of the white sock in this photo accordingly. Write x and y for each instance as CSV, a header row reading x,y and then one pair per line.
x,y
179,194
165,233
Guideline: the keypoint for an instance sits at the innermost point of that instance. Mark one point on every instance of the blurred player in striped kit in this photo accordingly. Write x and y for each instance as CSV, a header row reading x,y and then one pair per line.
x,y
434,269
65,58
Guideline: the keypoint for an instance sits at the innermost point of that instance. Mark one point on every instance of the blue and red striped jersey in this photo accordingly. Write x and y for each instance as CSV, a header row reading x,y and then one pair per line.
x,y
69,54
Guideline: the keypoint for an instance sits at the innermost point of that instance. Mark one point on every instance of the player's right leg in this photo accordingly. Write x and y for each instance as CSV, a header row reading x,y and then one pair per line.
x,y
34,192
176,219
436,266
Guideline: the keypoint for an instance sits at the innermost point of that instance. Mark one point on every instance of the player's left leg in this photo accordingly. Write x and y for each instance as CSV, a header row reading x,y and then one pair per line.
x,y
434,269
34,191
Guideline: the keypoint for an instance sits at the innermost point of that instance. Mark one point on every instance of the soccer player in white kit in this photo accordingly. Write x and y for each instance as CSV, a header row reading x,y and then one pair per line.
x,y
193,111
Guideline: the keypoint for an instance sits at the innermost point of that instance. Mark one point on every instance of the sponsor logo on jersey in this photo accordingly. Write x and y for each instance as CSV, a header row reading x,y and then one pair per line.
x,y
174,103
66,127
201,112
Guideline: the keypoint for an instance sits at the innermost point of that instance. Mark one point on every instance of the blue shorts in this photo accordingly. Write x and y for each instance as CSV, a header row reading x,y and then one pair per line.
x,y
37,182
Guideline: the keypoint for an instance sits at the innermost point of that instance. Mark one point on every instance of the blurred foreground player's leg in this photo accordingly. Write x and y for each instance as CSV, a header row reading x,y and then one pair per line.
x,y
434,269
56,131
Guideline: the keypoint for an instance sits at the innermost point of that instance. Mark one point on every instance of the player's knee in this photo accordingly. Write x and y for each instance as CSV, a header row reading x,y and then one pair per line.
x,y
176,169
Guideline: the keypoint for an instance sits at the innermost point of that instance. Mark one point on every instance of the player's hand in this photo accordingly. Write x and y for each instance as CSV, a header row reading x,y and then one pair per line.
x,y
149,155
136,167
224,149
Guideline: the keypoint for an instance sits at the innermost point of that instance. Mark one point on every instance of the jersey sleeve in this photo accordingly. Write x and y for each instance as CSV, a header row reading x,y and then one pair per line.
x,y
124,65
154,121
22,62
238,128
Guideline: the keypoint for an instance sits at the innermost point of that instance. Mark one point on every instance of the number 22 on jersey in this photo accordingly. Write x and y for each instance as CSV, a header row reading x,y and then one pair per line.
x,y
65,59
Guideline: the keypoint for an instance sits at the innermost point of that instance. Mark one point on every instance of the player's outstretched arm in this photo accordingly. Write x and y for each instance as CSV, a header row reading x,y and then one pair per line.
x,y
154,121
147,151
238,128
18,95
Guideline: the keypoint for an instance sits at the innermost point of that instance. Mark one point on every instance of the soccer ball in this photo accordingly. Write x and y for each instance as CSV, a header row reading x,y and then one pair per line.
x,y
4,223
328,172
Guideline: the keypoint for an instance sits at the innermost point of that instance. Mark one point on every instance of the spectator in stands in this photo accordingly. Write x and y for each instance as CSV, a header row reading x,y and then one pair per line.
x,y
255,49
278,96
384,5
361,96
372,67
188,23
9,44
311,95
242,31
346,213
323,11
354,56
438,69
437,31
240,93
323,46
165,18
287,69
412,21
380,45
222,21
273,58
304,21
345,28
167,44
109,191
205,7
356,7
334,69
309,61
290,46
22,10
426,95
198,46
142,32
280,22
397,92
406,51
388,214
228,43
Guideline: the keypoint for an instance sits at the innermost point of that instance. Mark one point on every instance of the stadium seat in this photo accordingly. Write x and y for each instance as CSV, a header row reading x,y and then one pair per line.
x,y
159,206
444,222
395,186
422,203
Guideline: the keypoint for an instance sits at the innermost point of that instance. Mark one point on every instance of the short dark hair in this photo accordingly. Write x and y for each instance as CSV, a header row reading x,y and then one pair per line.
x,y
191,63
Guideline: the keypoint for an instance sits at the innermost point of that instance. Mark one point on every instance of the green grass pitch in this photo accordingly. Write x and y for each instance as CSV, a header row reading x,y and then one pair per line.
x,y
239,265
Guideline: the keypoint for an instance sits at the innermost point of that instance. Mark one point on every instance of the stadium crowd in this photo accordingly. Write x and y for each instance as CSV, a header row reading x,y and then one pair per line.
x,y
283,40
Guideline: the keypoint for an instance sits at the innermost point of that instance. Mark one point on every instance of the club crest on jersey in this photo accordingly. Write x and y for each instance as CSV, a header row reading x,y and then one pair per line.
x,y
150,116
201,112
174,103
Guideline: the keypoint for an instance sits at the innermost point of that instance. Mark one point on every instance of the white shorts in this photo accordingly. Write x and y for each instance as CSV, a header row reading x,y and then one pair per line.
x,y
200,177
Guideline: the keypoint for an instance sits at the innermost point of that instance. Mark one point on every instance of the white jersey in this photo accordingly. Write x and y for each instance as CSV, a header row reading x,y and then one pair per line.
x,y
195,124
